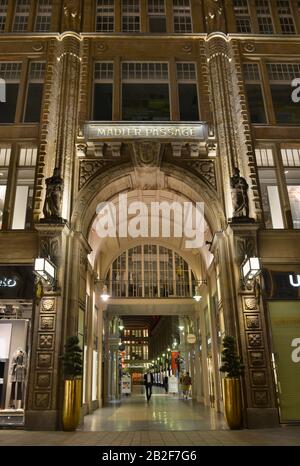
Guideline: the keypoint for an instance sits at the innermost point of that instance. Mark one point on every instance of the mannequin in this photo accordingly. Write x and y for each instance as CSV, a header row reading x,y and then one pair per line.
x,y
18,374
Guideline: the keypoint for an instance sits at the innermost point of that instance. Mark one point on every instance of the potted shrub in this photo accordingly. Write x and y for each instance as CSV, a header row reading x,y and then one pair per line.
x,y
72,368
233,368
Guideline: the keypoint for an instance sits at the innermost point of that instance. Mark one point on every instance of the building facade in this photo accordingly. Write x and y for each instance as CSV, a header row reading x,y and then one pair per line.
x,y
162,100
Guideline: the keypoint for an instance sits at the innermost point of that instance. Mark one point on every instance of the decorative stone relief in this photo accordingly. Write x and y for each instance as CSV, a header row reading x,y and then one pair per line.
x,y
46,341
206,169
254,339
146,154
187,48
42,400
47,322
43,379
256,358
259,378
44,360
250,304
261,398
88,168
252,321
48,305
249,47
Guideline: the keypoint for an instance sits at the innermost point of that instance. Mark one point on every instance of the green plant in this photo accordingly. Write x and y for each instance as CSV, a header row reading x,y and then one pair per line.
x,y
72,359
231,363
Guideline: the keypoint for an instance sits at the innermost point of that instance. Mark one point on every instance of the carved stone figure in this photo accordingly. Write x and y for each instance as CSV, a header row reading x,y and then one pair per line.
x,y
215,16
239,192
72,15
54,193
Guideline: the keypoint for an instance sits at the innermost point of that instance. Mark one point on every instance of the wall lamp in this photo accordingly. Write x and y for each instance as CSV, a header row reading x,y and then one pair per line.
x,y
104,295
251,268
45,270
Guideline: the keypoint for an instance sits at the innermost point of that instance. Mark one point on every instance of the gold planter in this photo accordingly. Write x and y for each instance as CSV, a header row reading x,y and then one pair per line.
x,y
233,402
72,404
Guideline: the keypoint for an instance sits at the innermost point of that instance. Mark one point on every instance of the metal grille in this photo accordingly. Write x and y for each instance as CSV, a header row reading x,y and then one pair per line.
x,y
283,71
5,153
242,17
131,15
105,15
10,71
186,72
285,17
3,13
264,17
28,157
21,16
145,71
264,157
182,16
43,16
251,72
156,7
291,157
104,71
37,71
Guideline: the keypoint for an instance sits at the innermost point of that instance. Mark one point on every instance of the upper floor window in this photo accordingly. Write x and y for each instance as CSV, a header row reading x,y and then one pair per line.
x,y
157,16
264,17
285,17
187,91
43,16
131,16
103,91
291,163
242,16
145,91
34,95
5,156
281,76
254,93
105,15
21,16
10,72
182,16
3,14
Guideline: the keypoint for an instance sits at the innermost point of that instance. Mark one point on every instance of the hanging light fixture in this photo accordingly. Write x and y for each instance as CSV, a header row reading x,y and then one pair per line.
x,y
197,295
251,268
105,296
45,270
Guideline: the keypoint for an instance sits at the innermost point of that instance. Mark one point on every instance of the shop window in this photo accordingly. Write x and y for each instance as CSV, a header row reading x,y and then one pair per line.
x,y
43,16
35,89
131,15
291,163
242,16
285,17
264,18
187,92
182,16
10,72
3,14
5,155
22,215
103,91
254,93
21,17
145,91
157,16
105,15
281,76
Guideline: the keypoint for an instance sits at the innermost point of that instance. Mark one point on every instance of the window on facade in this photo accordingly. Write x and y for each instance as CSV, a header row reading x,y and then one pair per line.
x,y
242,16
21,16
285,17
182,16
291,164
269,188
254,93
103,91
264,17
5,155
157,16
187,91
105,15
145,91
10,72
34,92
131,16
3,14
22,218
43,16
280,76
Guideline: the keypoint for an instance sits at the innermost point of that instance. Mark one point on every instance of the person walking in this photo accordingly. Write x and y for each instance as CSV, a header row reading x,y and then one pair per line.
x,y
166,383
186,384
148,378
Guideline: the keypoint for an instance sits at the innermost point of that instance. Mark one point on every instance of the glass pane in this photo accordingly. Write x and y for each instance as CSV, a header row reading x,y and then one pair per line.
x,y
22,217
157,24
8,108
270,199
146,102
256,103
34,103
3,185
286,110
188,102
293,186
103,102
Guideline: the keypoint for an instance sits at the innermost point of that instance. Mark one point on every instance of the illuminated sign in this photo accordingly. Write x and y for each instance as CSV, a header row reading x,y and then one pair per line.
x,y
8,282
145,131
295,281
